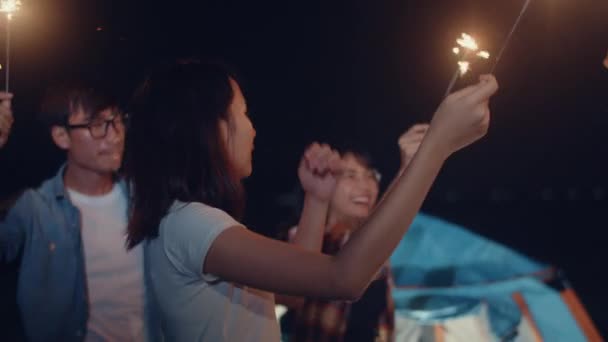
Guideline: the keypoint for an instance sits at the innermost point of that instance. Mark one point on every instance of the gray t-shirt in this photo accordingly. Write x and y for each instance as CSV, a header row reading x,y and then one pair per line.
x,y
194,306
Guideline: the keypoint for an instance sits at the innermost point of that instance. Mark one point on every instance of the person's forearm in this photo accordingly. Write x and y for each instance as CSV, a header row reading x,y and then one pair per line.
x,y
311,227
371,245
395,180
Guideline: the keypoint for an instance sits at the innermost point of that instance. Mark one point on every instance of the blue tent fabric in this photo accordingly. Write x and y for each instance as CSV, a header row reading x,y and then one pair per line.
x,y
435,252
438,258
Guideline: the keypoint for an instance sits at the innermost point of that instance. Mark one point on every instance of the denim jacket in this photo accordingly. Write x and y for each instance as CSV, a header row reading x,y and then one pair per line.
x,y
43,229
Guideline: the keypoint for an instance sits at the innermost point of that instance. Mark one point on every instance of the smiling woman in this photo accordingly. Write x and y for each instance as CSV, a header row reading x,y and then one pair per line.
x,y
356,190
372,317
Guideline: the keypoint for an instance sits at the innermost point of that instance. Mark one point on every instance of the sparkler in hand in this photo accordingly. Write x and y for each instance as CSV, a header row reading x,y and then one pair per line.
x,y
466,50
9,7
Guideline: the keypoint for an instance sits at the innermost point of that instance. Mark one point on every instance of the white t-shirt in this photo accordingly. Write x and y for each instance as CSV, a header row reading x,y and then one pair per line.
x,y
114,276
200,307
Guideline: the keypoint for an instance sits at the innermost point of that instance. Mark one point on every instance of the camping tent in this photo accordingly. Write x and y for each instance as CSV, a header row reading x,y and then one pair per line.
x,y
454,285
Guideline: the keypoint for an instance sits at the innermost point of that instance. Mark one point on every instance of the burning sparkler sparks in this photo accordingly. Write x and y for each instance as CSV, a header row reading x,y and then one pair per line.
x,y
466,50
10,6
467,45
467,42
483,54
463,66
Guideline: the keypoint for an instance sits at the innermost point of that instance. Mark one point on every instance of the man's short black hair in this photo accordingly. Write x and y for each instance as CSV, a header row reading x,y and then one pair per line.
x,y
64,99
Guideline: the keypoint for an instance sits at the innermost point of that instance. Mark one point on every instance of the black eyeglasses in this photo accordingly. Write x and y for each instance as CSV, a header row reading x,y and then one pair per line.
x,y
99,128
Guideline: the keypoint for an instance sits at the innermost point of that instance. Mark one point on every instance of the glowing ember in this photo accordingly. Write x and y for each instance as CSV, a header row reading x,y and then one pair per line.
x,y
467,42
467,50
464,67
10,6
483,54
468,45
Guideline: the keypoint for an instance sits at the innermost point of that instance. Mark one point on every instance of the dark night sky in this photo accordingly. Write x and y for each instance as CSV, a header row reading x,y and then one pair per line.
x,y
360,72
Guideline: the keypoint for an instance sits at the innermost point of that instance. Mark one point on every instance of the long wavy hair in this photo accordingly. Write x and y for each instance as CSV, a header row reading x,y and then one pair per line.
x,y
174,149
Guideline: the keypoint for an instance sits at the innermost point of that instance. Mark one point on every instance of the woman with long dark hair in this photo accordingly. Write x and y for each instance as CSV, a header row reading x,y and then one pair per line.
x,y
189,147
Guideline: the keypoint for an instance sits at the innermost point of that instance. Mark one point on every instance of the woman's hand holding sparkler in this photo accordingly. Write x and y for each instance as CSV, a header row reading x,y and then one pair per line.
x,y
463,117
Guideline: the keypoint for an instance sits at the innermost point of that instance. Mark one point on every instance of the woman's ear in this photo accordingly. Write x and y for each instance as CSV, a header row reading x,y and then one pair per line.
x,y
61,138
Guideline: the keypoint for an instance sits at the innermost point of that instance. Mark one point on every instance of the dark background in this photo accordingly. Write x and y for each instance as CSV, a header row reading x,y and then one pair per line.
x,y
361,72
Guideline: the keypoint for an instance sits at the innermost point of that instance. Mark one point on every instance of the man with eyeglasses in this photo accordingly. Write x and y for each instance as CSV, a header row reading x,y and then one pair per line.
x,y
76,279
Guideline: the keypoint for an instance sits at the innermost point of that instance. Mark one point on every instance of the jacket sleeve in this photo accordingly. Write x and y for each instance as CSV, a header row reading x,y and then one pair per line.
x,y
13,229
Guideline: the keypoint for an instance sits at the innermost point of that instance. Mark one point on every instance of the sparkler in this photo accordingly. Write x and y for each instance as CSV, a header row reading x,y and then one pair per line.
x,y
9,7
508,39
467,47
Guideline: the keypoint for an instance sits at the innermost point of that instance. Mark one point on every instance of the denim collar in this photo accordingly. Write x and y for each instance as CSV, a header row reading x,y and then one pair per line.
x,y
58,185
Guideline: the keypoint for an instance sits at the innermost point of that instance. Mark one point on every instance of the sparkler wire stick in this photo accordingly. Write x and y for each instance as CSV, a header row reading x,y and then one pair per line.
x,y
452,83
508,39
8,52
8,7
